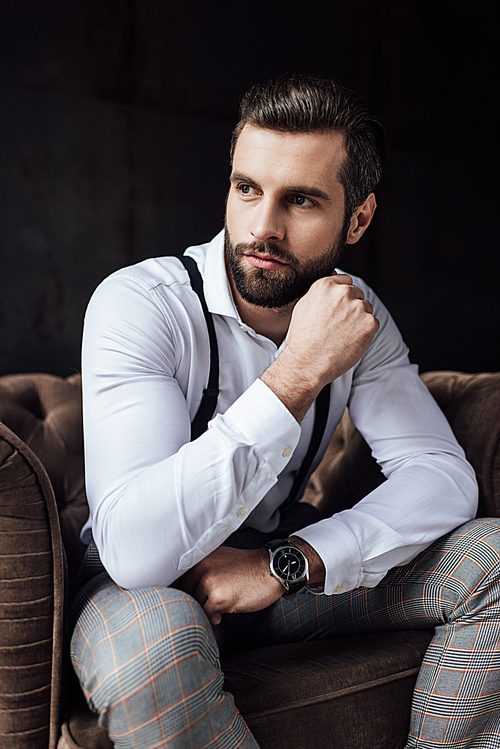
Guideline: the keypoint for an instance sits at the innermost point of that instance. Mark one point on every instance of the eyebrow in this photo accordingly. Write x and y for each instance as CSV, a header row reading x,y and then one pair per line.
x,y
313,192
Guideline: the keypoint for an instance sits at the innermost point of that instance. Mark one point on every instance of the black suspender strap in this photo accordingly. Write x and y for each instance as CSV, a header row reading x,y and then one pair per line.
x,y
211,392
321,409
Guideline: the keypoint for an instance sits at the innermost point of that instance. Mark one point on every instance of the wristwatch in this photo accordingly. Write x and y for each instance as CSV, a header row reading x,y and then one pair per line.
x,y
288,564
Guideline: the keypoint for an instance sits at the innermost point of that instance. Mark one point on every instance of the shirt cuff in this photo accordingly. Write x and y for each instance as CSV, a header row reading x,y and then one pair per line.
x,y
340,553
266,423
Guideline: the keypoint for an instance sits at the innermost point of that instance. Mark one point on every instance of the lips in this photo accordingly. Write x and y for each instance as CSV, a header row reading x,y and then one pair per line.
x,y
264,261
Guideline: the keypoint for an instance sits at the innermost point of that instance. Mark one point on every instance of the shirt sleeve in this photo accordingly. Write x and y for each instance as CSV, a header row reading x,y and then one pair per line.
x,y
160,503
430,487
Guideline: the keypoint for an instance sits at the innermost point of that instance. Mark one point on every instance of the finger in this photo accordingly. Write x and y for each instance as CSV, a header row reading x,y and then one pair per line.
x,y
198,593
342,278
353,291
214,617
358,293
213,614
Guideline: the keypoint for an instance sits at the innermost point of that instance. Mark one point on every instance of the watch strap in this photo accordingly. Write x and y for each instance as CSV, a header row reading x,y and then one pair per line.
x,y
276,542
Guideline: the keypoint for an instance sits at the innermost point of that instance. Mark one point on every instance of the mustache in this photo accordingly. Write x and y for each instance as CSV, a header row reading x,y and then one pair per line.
x,y
266,248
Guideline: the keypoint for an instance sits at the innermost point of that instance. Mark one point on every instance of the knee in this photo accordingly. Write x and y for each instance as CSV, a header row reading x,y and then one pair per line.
x,y
138,637
173,625
477,544
481,537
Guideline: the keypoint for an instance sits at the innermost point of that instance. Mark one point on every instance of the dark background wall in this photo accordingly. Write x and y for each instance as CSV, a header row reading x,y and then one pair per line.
x,y
115,121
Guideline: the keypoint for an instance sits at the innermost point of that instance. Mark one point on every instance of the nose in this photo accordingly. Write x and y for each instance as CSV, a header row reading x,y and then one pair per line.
x,y
267,222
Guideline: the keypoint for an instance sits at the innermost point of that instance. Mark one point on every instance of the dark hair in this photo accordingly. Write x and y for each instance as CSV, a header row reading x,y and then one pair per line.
x,y
306,103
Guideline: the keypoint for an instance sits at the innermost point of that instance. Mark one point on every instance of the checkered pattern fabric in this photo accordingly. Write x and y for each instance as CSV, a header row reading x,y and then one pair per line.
x,y
148,661
149,665
453,586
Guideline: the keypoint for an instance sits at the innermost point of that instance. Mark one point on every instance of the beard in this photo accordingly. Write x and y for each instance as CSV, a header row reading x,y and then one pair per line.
x,y
280,287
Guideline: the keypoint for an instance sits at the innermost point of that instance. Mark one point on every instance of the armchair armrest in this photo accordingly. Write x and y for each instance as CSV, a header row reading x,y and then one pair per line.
x,y
32,571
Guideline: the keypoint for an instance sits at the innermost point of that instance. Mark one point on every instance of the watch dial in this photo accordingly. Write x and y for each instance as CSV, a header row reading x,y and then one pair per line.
x,y
289,564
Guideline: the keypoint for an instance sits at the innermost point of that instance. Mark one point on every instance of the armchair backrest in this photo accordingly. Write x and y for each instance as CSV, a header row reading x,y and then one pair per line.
x,y
470,402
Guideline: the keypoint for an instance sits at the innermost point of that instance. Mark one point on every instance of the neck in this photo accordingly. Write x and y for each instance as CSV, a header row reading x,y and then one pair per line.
x,y
270,322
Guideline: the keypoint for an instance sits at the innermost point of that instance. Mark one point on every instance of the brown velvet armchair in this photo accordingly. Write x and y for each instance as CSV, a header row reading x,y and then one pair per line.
x,y
347,693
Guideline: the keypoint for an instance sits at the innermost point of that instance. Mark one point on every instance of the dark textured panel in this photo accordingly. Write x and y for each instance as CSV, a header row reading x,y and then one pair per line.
x,y
28,699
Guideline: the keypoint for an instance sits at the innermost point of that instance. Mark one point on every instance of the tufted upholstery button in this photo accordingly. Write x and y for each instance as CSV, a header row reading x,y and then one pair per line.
x,y
45,412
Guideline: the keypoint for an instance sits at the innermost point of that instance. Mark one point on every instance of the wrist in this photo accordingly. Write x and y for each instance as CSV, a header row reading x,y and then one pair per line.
x,y
288,564
317,570
293,385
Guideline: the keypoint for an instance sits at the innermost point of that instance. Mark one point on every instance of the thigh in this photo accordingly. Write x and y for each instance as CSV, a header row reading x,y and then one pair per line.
x,y
148,663
453,580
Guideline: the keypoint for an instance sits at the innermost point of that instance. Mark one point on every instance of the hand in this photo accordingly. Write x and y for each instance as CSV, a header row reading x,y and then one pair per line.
x,y
232,581
330,329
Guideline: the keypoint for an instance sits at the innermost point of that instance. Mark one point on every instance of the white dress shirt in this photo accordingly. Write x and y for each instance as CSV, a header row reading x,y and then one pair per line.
x,y
160,503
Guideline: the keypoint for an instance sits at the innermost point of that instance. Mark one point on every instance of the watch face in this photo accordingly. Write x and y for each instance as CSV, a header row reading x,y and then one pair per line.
x,y
289,564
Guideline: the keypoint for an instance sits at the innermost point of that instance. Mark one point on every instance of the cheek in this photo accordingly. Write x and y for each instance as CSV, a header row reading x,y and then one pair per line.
x,y
312,236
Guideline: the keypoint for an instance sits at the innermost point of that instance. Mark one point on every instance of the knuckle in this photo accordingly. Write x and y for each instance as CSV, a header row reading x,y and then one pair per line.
x,y
345,292
216,601
346,279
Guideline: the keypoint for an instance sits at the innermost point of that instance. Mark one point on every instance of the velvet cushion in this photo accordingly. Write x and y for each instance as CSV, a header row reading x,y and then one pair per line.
x,y
471,403
351,692
31,600
45,411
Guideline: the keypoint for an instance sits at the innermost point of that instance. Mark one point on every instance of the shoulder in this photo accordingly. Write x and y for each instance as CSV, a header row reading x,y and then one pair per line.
x,y
148,297
155,277
148,275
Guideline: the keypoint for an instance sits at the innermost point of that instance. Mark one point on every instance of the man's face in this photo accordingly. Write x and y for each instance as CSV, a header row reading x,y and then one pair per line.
x,y
285,213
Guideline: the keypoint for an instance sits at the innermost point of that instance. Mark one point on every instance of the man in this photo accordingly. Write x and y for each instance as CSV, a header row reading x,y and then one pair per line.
x,y
168,511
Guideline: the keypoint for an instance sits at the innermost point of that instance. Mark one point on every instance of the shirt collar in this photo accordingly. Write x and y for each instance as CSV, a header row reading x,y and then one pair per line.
x,y
210,260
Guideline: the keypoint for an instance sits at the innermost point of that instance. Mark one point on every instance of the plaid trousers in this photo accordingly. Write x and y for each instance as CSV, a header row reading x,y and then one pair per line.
x,y
148,660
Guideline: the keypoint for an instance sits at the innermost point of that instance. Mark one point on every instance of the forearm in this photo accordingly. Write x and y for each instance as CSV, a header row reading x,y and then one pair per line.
x,y
154,518
296,389
418,504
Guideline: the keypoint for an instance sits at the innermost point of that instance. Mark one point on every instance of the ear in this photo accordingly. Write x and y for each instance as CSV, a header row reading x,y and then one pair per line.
x,y
361,218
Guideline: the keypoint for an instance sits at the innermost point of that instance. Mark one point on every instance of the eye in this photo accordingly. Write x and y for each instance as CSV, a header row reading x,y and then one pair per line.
x,y
302,202
245,189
